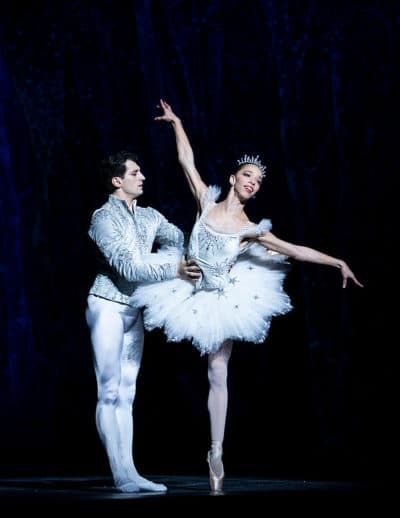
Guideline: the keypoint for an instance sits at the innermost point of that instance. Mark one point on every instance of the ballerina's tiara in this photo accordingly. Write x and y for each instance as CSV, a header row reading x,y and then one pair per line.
x,y
247,159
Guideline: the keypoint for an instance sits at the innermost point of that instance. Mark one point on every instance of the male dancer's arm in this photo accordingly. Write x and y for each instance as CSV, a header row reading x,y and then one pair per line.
x,y
133,267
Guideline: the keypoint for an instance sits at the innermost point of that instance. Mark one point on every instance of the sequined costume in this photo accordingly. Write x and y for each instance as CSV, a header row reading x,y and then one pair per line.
x,y
239,292
124,241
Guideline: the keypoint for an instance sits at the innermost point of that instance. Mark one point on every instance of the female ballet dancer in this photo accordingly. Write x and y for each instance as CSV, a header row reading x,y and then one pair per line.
x,y
243,269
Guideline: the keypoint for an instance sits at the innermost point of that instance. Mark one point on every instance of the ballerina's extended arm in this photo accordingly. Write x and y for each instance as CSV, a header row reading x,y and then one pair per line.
x,y
303,253
185,153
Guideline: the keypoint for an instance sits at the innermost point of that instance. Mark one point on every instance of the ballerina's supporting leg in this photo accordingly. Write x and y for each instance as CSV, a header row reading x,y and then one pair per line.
x,y
217,408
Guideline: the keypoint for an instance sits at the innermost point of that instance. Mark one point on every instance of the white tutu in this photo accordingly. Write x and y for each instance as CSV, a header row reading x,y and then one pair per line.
x,y
241,311
239,292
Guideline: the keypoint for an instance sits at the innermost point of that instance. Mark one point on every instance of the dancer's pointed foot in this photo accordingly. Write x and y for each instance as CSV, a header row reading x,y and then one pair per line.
x,y
216,467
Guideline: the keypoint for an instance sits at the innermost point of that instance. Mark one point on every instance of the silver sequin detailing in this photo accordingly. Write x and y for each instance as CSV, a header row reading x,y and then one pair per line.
x,y
123,238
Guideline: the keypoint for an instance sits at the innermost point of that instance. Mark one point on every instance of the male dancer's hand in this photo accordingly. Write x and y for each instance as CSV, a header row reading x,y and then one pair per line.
x,y
188,269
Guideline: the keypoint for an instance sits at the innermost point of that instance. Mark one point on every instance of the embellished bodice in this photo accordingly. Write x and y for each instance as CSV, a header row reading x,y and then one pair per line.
x,y
214,251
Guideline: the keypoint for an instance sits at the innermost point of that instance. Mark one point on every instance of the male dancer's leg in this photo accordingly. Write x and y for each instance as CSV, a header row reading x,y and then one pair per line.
x,y
106,323
130,364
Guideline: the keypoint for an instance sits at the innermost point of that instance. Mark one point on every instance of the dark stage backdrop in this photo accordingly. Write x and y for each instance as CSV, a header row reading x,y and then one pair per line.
x,y
313,88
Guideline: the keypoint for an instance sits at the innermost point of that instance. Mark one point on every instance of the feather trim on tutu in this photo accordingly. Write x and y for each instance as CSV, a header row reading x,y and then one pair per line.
x,y
212,194
259,251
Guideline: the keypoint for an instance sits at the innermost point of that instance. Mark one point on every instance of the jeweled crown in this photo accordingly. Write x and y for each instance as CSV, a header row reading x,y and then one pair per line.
x,y
247,159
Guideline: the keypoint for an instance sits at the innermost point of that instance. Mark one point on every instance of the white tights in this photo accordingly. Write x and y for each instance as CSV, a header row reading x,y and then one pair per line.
x,y
117,343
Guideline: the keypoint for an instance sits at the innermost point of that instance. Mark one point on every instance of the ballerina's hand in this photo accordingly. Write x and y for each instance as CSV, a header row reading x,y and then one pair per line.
x,y
248,238
348,274
168,115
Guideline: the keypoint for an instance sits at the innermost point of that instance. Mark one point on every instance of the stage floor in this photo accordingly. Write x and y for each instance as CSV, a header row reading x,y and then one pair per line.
x,y
192,492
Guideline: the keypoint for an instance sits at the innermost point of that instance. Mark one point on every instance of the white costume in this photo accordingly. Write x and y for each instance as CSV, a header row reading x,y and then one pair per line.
x,y
124,240
239,292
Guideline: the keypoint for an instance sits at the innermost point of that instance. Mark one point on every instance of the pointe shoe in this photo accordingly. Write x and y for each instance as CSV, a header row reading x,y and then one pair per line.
x,y
214,459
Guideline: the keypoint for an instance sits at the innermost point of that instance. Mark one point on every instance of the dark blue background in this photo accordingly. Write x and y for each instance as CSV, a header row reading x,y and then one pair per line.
x,y
313,88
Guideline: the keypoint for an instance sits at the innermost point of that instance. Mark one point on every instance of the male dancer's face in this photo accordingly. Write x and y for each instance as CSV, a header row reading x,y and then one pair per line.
x,y
131,185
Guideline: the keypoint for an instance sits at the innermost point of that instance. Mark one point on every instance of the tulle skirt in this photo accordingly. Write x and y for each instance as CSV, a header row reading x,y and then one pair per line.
x,y
241,311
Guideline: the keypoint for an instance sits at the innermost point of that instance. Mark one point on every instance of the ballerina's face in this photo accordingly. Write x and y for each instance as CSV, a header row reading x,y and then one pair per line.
x,y
247,180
